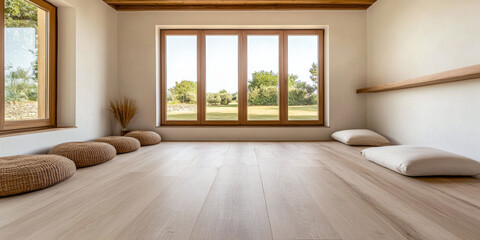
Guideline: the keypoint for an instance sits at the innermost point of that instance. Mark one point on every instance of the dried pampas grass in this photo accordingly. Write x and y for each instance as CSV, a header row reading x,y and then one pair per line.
x,y
123,111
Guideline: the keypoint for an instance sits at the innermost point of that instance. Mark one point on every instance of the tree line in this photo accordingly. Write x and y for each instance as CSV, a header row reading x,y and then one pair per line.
x,y
263,90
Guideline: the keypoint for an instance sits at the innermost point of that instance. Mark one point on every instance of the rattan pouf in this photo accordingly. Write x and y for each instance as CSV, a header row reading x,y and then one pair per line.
x,y
85,154
145,137
121,144
26,173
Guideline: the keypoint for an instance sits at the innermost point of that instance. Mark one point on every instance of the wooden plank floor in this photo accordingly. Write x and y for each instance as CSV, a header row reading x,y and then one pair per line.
x,y
297,190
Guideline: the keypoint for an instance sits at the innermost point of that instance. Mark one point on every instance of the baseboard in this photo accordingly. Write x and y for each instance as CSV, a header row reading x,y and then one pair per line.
x,y
246,140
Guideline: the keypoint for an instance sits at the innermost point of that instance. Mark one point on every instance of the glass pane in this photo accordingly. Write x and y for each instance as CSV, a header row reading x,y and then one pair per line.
x,y
222,77
181,61
26,90
302,78
263,85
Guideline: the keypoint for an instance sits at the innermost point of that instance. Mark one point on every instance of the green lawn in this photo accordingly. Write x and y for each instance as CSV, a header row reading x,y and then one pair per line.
x,y
230,112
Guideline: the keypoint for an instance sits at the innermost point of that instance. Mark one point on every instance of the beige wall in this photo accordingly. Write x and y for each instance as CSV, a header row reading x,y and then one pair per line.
x,y
411,38
406,39
87,76
347,69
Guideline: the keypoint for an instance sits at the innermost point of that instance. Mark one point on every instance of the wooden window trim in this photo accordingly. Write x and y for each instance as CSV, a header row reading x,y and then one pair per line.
x,y
242,78
9,126
2,67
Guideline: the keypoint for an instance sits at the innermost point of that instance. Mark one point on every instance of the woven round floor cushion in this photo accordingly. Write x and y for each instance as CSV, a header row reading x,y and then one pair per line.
x,y
121,144
26,173
145,137
85,154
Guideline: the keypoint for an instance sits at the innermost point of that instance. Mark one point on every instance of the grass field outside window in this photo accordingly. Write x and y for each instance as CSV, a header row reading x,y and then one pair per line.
x,y
228,112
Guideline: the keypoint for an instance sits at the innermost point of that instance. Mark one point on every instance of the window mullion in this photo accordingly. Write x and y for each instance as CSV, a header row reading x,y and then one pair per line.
x,y
283,77
201,76
243,75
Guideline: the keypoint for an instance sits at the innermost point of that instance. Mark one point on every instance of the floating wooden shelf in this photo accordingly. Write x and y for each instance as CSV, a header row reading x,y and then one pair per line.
x,y
459,74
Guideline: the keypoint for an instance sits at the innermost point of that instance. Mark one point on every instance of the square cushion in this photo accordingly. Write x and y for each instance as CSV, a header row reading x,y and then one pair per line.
x,y
360,137
422,161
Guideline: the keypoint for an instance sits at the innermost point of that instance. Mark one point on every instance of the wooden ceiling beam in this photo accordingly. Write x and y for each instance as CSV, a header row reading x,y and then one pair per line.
x,y
210,2
138,5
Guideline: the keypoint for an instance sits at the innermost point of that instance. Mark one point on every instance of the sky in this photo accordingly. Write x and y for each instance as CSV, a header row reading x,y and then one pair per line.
x,y
222,58
19,42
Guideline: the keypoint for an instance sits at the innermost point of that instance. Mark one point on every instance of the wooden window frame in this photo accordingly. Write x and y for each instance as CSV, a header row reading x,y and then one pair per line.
x,y
242,78
16,125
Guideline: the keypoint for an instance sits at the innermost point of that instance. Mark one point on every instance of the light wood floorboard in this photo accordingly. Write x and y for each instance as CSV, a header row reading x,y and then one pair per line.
x,y
235,207
245,190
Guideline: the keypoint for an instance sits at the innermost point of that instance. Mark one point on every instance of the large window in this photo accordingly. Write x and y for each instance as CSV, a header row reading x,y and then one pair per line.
x,y
242,77
28,59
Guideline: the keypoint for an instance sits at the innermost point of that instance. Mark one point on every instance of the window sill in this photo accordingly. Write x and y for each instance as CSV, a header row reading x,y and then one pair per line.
x,y
243,126
11,133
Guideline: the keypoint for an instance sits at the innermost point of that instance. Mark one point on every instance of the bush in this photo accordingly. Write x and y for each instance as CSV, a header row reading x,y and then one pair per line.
x,y
184,92
20,86
221,98
305,86
297,97
263,79
190,98
18,92
185,98
225,98
214,98
263,96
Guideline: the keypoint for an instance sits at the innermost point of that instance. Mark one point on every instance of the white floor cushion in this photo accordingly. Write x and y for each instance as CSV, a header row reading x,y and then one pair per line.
x,y
360,137
422,161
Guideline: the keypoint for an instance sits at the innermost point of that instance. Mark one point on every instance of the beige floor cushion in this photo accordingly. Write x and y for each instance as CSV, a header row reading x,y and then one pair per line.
x,y
121,144
145,137
26,173
360,137
85,154
422,161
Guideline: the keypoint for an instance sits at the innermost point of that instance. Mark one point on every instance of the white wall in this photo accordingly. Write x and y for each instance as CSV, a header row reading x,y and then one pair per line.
x,y
347,69
411,38
87,77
